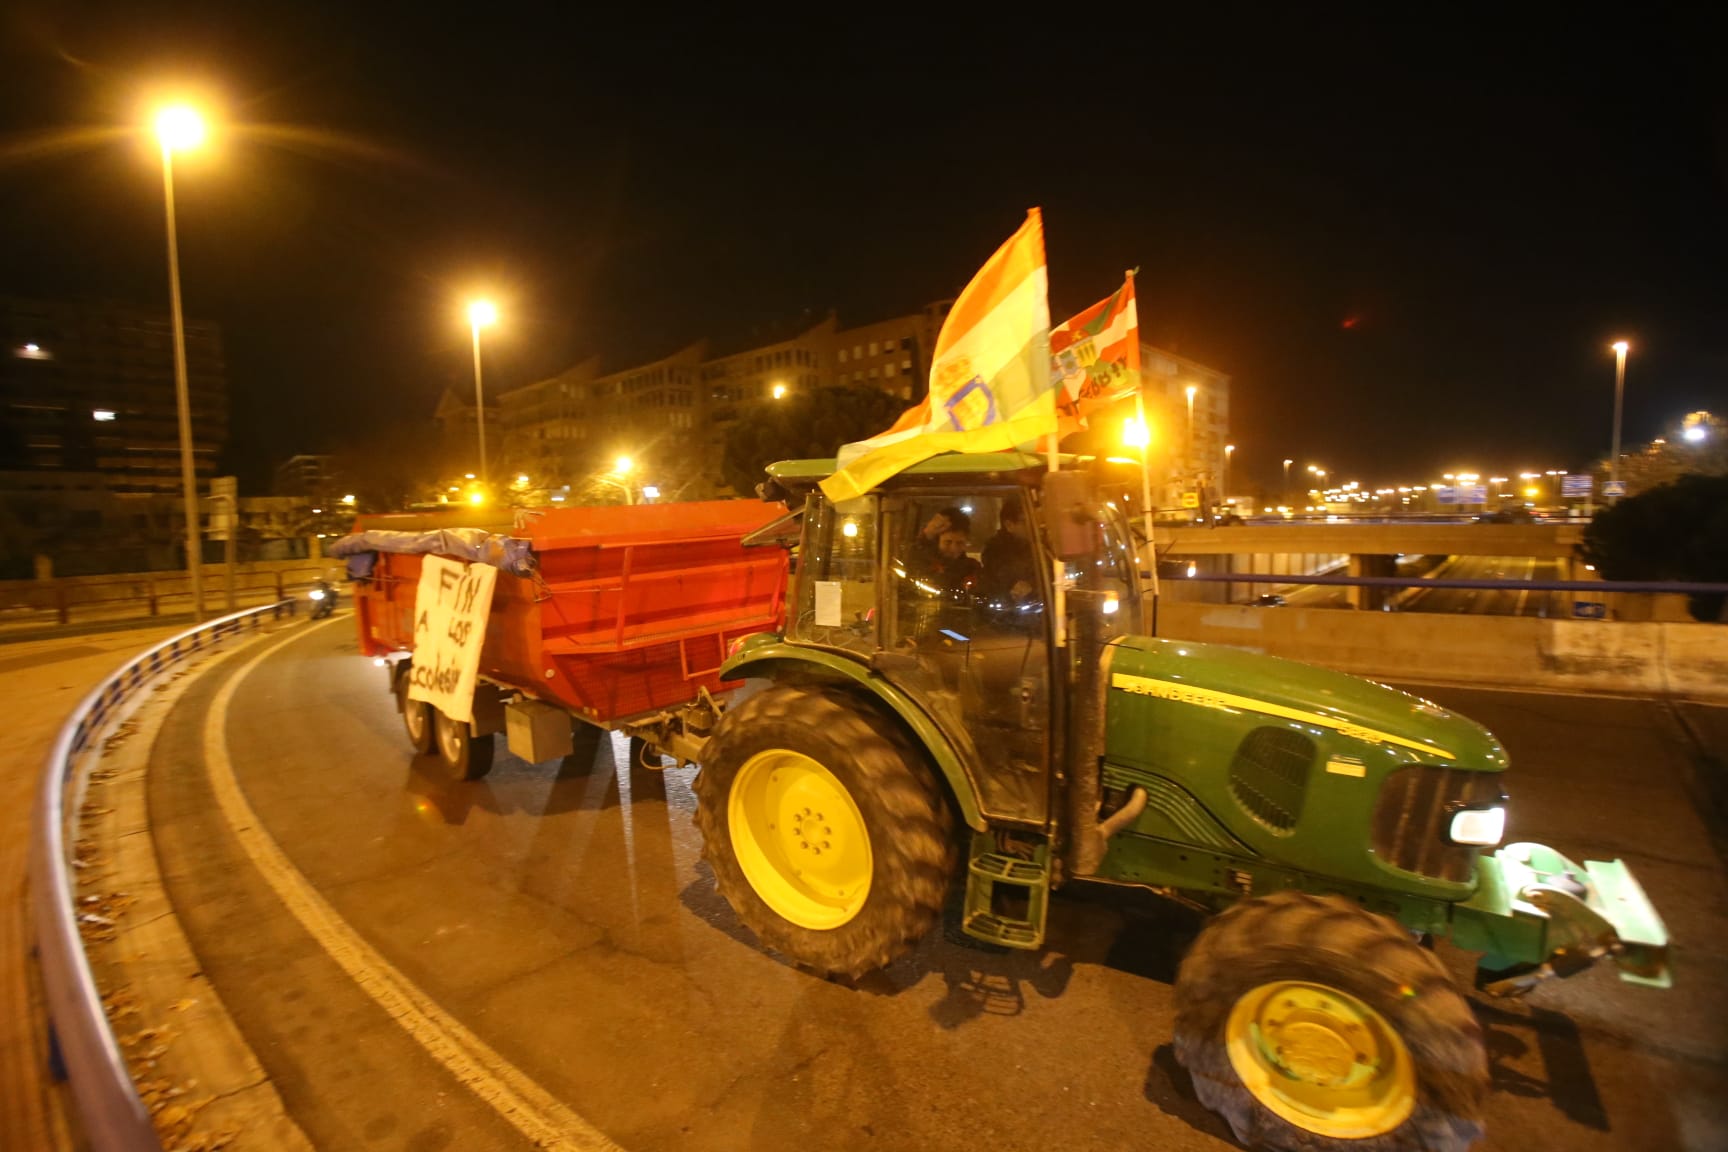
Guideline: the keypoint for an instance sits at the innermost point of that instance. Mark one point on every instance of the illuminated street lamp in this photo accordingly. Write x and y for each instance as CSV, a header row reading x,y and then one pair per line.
x,y
1287,464
179,127
1224,483
620,476
481,314
779,391
1620,347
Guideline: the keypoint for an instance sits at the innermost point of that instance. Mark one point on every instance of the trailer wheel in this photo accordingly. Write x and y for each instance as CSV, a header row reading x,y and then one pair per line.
x,y
468,756
1310,1023
827,832
416,717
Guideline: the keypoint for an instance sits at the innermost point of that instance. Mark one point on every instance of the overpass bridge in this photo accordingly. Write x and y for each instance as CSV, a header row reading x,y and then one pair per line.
x,y
1298,549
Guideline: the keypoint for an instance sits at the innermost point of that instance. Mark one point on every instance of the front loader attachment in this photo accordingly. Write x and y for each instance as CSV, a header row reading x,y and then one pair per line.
x,y
1537,915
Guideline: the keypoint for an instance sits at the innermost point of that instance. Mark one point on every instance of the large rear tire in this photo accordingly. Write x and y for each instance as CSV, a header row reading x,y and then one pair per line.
x,y
468,757
1312,1024
827,832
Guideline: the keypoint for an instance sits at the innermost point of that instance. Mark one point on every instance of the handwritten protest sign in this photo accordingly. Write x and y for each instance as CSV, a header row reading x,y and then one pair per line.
x,y
450,610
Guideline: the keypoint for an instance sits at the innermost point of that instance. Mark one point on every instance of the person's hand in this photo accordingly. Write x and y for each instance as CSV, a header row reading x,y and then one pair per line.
x,y
938,524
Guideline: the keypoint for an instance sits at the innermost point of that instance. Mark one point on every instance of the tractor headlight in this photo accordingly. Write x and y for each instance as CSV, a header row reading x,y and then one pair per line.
x,y
316,593
1482,827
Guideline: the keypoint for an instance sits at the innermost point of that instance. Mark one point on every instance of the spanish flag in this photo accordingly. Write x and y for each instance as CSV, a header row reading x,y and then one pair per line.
x,y
990,383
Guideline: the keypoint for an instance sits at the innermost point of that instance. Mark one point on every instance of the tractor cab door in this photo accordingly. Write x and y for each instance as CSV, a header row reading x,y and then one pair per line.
x,y
967,605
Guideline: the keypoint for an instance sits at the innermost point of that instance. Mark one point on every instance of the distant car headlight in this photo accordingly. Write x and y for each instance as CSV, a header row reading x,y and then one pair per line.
x,y
1482,827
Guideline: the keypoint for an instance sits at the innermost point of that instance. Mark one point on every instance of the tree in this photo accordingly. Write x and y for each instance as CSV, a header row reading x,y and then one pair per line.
x,y
1675,532
810,425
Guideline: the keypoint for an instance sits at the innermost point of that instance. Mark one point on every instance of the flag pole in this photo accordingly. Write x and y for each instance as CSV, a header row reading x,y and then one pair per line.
x,y
1146,484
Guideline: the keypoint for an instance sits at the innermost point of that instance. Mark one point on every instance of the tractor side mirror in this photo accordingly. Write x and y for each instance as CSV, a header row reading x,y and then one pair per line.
x,y
1069,516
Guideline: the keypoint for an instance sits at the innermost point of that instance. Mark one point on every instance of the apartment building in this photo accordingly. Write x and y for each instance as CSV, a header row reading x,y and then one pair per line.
x,y
89,387
670,417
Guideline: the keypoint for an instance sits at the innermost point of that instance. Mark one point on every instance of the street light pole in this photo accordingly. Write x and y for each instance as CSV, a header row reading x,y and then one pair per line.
x,y
480,314
1224,484
1287,464
180,127
1620,347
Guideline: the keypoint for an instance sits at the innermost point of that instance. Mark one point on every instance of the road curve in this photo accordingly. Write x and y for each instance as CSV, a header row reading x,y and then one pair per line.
x,y
560,916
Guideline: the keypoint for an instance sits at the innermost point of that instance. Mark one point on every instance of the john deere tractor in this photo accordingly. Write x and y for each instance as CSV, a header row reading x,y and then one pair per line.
x,y
1024,730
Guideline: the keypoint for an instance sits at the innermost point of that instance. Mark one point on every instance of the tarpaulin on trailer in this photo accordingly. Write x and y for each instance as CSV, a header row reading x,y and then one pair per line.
x,y
508,553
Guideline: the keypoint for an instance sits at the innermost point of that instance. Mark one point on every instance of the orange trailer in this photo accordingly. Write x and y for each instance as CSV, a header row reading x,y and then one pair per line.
x,y
623,623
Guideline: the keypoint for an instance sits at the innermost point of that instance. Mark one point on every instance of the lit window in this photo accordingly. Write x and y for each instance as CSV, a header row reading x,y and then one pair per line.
x,y
872,347
858,351
842,355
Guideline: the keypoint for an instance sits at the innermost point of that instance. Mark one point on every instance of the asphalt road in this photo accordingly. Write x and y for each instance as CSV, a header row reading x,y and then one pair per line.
x,y
559,914
1495,601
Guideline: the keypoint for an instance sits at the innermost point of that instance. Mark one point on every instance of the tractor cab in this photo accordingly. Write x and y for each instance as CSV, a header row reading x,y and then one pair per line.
x,y
981,589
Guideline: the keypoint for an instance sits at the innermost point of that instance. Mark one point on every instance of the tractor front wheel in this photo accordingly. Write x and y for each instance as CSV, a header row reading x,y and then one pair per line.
x,y
1310,1023
827,832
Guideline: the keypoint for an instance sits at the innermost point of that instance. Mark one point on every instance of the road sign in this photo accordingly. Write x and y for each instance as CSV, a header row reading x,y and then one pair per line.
x,y
1576,485
1190,499
1589,609
1446,495
1473,494
1612,488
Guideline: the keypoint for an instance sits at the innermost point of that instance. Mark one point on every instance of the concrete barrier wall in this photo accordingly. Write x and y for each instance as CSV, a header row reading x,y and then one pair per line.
x,y
1617,657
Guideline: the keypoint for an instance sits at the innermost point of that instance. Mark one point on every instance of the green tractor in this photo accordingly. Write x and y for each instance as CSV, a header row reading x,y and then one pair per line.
x,y
923,718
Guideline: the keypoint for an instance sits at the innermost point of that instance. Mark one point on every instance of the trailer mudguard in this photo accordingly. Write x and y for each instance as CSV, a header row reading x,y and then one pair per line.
x,y
766,656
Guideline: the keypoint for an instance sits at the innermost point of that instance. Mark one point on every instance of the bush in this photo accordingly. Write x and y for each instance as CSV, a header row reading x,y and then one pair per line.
x,y
1676,532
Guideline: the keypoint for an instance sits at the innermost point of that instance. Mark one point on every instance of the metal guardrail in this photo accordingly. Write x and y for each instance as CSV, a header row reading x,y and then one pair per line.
x,y
114,1118
139,595
1446,582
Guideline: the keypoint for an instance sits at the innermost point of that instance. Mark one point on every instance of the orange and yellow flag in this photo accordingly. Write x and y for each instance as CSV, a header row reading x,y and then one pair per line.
x,y
990,383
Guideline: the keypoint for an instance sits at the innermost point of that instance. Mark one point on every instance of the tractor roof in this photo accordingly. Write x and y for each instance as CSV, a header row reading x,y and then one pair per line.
x,y
945,464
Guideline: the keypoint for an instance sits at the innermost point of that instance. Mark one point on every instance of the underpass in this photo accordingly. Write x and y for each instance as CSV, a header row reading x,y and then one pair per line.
x,y
554,926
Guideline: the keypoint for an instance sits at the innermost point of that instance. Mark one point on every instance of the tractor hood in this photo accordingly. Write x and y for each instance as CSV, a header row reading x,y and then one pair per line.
x,y
1235,680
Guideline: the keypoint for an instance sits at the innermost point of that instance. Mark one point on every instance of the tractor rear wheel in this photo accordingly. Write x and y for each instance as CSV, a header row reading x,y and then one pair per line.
x,y
827,832
1310,1023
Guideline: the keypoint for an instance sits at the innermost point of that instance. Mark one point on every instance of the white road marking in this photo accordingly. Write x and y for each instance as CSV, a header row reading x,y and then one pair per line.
x,y
518,1099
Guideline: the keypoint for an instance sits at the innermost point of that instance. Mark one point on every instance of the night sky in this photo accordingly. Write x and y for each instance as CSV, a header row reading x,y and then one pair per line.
x,y
1408,243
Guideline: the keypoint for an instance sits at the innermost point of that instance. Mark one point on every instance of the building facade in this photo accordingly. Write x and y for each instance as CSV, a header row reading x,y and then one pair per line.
x,y
89,387
670,417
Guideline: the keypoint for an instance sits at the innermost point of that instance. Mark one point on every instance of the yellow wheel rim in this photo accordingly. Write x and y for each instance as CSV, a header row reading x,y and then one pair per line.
x,y
1321,1059
800,839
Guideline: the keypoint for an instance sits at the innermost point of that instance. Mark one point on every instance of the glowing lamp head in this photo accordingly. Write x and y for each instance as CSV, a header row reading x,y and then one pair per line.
x,y
779,391
1135,434
1620,347
179,127
482,313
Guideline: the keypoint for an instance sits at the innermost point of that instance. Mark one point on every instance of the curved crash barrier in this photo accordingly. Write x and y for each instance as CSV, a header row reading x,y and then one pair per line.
x,y
114,1118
